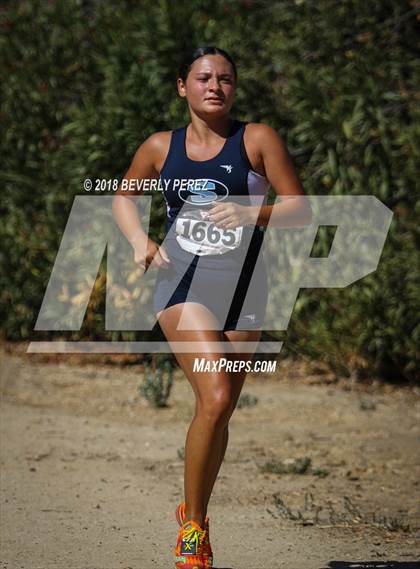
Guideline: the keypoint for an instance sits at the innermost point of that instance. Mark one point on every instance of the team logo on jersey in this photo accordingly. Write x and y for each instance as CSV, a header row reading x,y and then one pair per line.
x,y
227,167
203,191
250,317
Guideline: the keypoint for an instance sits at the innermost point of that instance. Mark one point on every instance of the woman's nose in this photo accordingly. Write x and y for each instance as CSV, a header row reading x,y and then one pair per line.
x,y
213,83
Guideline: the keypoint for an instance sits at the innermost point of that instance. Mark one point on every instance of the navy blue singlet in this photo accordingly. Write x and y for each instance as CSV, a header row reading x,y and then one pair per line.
x,y
222,178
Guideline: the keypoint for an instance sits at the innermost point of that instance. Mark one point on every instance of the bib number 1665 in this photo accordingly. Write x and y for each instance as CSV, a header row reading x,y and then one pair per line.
x,y
205,231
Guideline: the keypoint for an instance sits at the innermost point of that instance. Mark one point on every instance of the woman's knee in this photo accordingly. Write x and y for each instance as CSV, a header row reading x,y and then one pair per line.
x,y
216,408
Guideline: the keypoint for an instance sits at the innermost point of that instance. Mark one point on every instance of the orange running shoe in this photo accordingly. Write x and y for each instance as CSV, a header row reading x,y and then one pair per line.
x,y
189,547
207,552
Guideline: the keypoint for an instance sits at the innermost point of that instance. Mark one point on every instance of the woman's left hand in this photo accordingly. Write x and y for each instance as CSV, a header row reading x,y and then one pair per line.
x,y
231,215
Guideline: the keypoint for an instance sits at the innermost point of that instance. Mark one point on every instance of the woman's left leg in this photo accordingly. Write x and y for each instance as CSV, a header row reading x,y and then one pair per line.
x,y
238,380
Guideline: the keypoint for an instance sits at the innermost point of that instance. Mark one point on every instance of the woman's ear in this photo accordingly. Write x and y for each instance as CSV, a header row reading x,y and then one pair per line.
x,y
181,87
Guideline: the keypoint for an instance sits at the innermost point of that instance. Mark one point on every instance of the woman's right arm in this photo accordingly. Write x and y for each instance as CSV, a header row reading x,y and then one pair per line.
x,y
146,164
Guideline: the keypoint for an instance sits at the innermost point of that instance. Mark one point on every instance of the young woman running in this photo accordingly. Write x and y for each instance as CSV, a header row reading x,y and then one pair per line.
x,y
225,158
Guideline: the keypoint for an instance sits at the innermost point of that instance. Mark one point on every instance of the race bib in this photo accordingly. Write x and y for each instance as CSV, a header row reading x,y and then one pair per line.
x,y
202,237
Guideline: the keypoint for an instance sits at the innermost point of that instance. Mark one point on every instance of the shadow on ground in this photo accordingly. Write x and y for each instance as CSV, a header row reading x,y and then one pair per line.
x,y
372,565
364,565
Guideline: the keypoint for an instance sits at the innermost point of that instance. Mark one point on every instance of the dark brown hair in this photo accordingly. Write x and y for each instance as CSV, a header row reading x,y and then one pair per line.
x,y
185,66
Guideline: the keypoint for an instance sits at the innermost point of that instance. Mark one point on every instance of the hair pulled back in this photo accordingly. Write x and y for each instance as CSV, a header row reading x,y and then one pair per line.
x,y
185,66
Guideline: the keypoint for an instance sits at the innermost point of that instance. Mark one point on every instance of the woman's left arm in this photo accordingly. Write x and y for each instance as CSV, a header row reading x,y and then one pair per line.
x,y
293,211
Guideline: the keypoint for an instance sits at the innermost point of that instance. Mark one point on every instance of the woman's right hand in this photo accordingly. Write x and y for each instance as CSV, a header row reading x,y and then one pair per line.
x,y
143,256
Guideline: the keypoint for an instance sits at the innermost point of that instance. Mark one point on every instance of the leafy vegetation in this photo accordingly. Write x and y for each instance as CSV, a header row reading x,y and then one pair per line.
x,y
85,82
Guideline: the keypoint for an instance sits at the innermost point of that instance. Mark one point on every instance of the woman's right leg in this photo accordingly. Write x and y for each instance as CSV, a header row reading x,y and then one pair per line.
x,y
215,395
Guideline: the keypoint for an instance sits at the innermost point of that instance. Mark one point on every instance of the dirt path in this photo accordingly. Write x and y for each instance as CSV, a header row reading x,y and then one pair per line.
x,y
91,474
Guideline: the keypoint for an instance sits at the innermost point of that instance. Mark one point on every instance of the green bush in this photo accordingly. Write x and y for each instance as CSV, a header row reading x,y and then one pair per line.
x,y
87,82
157,381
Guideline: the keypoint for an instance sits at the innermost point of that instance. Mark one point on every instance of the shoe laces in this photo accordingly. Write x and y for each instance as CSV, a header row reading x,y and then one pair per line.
x,y
194,535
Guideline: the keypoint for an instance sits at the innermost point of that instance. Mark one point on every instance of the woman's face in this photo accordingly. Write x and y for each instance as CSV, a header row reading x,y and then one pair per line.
x,y
210,86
